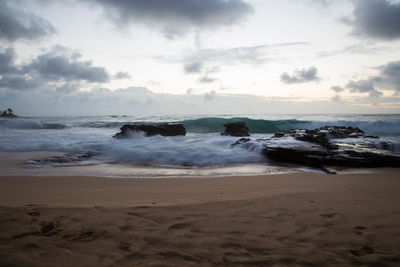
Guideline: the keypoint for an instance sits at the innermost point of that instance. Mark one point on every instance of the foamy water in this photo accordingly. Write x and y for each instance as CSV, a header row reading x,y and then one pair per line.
x,y
201,149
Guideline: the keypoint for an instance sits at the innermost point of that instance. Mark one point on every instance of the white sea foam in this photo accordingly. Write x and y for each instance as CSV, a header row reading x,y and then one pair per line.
x,y
203,148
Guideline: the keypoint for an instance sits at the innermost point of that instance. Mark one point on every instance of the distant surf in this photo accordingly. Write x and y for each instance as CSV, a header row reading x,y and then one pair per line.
x,y
385,125
202,147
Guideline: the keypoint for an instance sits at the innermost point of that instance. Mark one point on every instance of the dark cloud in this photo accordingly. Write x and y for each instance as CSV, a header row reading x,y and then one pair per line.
x,y
176,17
378,19
388,78
16,24
19,82
53,66
301,76
122,75
337,89
366,86
59,69
361,86
193,67
7,58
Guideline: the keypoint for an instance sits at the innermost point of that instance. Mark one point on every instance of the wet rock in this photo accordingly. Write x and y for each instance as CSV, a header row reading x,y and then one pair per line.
x,y
67,159
241,141
323,135
328,170
236,129
317,156
278,135
166,129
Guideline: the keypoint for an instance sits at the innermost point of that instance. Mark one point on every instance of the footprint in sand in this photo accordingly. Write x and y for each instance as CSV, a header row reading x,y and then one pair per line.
x,y
359,229
34,214
328,215
125,246
362,252
179,226
49,229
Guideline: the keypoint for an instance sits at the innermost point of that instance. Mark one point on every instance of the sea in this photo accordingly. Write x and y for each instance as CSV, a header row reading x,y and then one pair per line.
x,y
203,152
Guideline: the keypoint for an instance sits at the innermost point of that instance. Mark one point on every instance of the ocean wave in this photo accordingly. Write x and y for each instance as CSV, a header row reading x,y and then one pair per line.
x,y
262,126
194,150
28,124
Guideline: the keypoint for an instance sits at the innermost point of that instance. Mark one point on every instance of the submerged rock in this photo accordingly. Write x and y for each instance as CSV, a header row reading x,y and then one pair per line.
x,y
278,135
166,129
236,129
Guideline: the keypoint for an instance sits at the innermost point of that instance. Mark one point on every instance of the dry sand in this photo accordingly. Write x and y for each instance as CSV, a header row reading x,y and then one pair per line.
x,y
299,219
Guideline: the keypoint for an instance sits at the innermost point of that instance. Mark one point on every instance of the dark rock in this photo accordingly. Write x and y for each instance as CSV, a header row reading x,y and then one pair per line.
x,y
236,129
278,135
67,159
318,156
165,129
241,141
328,170
323,135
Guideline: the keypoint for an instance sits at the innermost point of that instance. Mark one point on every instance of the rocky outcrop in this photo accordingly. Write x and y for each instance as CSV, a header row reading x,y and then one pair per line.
x,y
323,135
236,129
322,147
166,129
318,156
327,152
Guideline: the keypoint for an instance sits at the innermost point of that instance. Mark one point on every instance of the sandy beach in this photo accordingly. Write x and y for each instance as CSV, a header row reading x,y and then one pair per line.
x,y
298,219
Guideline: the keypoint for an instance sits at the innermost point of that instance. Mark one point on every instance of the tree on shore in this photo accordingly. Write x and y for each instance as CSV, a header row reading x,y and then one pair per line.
x,y
8,113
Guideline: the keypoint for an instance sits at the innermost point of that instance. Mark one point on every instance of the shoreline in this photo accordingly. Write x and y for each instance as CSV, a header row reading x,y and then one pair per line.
x,y
86,191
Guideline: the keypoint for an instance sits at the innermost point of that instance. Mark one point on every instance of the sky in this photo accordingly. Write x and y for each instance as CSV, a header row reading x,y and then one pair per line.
x,y
172,57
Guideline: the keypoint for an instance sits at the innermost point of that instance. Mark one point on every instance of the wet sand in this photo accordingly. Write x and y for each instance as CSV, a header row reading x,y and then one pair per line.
x,y
303,219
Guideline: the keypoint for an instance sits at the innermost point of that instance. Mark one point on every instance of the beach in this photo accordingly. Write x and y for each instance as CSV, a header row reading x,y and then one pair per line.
x,y
302,218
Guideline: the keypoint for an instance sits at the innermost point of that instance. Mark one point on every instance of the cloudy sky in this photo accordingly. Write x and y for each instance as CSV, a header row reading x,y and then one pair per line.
x,y
99,57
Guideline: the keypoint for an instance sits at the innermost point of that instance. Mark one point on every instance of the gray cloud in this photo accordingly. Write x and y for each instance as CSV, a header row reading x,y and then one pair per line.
x,y
193,67
20,82
16,24
336,98
58,69
301,76
361,86
175,18
390,76
207,79
378,19
337,89
122,75
388,79
7,58
139,100
252,55
54,66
